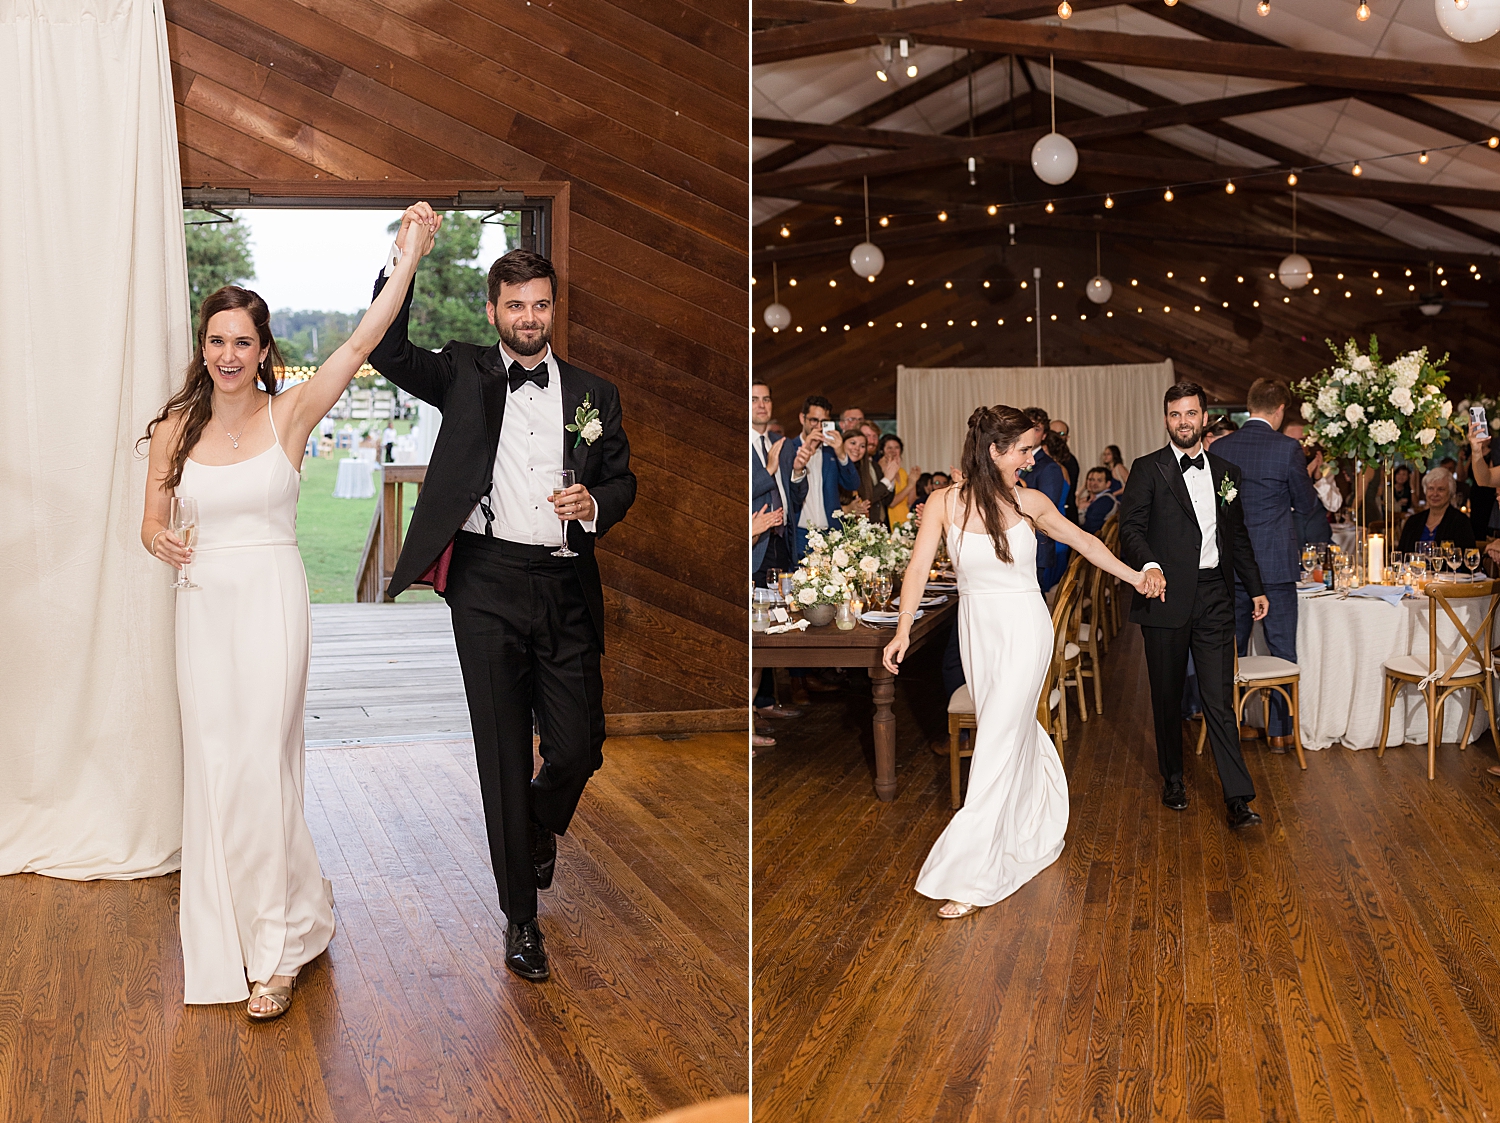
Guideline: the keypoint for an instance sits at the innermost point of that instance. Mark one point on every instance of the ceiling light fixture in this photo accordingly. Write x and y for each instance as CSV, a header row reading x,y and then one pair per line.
x,y
777,314
1362,12
1422,159
1291,179
1263,8
1054,157
866,258
1167,195
1229,188
1064,10
785,233
1356,170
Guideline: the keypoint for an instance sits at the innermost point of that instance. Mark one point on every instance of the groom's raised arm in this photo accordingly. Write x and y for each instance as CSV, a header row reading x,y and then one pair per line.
x,y
415,369
1135,515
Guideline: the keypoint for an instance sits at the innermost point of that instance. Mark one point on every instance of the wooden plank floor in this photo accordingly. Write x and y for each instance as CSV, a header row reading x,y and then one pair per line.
x,y
1342,962
411,1015
383,672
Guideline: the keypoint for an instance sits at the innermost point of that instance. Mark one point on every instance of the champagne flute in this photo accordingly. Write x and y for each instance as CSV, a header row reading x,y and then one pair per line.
x,y
182,521
1451,557
773,581
561,481
1471,560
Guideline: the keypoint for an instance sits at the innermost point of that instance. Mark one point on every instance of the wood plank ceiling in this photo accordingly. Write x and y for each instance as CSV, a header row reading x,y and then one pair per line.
x,y
1192,277
641,107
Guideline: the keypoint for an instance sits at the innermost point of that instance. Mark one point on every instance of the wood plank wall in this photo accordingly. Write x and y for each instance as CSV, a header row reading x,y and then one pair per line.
x,y
642,108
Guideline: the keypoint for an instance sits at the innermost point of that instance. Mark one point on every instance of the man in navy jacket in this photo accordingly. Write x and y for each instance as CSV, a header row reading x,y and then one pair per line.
x,y
1278,496
819,469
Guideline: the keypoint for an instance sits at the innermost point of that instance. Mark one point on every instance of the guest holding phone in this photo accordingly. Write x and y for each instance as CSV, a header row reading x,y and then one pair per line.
x,y
820,466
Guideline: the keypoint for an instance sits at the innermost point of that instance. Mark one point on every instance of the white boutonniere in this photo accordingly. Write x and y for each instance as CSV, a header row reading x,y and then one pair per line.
x,y
1227,490
586,424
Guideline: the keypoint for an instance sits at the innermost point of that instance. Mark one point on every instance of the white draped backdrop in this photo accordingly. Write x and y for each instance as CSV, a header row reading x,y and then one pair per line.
x,y
1104,405
93,315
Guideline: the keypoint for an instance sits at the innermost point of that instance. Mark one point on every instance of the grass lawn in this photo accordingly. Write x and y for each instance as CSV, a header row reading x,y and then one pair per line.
x,y
331,533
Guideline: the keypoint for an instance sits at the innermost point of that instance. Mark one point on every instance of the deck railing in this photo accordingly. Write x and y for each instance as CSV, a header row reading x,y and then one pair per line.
x,y
387,531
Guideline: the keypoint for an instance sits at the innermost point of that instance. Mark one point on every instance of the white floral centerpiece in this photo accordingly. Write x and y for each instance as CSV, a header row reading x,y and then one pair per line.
x,y
844,559
1370,410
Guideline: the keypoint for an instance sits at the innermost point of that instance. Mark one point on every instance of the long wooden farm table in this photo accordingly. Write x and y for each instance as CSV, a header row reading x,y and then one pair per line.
x,y
861,647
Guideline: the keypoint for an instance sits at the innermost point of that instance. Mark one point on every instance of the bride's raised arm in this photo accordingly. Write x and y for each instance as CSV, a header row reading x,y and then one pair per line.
x,y
1057,526
310,402
934,523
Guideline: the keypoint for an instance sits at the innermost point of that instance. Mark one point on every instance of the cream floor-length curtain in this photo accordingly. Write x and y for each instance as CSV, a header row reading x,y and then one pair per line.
x,y
1105,405
93,329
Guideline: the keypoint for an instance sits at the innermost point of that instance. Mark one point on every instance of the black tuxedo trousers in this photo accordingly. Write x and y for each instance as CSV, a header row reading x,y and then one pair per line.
x,y
529,652
1209,635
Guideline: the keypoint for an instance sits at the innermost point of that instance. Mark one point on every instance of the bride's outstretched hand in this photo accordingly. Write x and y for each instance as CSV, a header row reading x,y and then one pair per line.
x,y
1151,583
895,652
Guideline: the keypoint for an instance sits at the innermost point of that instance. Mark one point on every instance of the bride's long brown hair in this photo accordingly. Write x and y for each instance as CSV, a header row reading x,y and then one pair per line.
x,y
195,401
984,487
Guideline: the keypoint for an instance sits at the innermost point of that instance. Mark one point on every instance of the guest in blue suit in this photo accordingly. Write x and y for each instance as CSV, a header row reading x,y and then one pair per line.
x,y
818,469
770,535
1048,477
1278,497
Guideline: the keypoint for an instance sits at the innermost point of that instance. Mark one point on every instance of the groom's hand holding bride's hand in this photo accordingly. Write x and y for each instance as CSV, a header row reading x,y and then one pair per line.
x,y
1151,583
427,220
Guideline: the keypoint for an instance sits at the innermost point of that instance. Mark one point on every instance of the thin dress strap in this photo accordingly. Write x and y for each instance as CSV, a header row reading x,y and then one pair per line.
x,y
272,414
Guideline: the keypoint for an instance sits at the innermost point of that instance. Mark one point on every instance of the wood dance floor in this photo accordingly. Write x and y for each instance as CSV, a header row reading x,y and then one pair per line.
x,y
1339,962
412,1015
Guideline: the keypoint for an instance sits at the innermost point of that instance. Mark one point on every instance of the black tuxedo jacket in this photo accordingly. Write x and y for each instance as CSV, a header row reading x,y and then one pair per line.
x,y
1158,524
468,383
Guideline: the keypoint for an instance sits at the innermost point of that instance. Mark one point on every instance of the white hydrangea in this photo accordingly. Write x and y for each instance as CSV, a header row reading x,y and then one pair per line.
x,y
807,595
1447,410
1333,428
1355,413
592,431
1362,364
1427,436
1309,411
840,557
1384,432
1328,401
1344,374
1400,397
1406,369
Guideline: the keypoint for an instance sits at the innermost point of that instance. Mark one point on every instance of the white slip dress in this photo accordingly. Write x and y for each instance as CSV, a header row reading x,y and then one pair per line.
x,y
254,900
1015,815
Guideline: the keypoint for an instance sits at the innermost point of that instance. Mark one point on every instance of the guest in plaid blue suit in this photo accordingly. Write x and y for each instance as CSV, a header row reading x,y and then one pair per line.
x,y
1277,497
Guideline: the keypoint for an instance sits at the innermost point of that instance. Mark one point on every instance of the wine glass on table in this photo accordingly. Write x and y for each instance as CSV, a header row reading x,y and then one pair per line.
x,y
561,481
1451,557
773,582
182,521
1309,562
1471,561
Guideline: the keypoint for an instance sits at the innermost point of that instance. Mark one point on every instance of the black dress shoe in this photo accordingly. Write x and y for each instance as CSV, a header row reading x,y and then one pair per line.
x,y
525,953
1174,795
1239,814
543,854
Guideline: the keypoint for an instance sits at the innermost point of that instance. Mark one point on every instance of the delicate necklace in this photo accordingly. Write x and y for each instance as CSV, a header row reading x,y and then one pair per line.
x,y
234,438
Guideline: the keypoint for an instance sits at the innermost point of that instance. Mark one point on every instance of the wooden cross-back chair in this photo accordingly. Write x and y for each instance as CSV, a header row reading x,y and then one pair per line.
x,y
1067,656
1470,669
1262,674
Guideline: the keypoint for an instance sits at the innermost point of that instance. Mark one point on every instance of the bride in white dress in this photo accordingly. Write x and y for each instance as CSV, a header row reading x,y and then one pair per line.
x,y
254,904
1012,823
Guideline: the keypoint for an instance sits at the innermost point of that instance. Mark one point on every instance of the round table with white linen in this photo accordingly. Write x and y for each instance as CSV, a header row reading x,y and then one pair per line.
x,y
356,479
1342,644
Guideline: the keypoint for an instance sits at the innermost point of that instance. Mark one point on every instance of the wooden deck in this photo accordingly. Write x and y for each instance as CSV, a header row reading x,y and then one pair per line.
x,y
411,1015
1337,963
382,672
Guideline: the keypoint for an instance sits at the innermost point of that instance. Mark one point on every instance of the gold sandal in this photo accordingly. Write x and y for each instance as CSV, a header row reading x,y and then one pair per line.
x,y
281,1000
961,909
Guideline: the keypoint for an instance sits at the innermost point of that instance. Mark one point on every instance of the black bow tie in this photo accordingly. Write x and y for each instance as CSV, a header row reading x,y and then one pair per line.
x,y
1198,461
519,374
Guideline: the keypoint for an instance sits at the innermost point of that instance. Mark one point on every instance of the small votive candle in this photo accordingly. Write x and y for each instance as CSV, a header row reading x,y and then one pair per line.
x,y
760,617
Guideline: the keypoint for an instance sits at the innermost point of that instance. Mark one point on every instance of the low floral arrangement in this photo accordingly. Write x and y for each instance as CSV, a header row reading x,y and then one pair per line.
x,y
856,555
1367,409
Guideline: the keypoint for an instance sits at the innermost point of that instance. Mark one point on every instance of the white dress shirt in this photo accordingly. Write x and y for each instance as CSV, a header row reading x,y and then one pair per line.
x,y
527,460
813,515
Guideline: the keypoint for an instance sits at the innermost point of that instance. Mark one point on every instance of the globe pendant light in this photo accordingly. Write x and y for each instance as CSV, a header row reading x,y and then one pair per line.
x,y
1295,270
1098,290
1054,158
866,258
1473,22
777,314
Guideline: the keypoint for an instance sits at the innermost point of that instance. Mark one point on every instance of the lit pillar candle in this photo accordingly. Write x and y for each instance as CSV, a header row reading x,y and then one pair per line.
x,y
1377,558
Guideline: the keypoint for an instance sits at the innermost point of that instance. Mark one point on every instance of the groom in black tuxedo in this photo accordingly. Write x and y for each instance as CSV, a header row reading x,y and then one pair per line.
x,y
1180,516
529,625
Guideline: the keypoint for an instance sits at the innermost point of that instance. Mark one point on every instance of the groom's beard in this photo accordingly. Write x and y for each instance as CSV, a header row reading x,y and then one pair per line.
x,y
528,345
1192,439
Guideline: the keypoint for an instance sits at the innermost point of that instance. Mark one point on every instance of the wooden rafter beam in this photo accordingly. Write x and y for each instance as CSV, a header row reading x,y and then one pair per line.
x,y
1207,57
866,28
895,101
924,151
